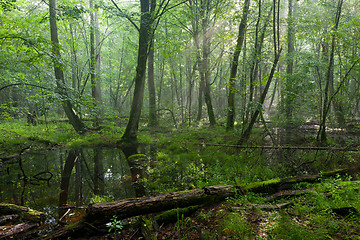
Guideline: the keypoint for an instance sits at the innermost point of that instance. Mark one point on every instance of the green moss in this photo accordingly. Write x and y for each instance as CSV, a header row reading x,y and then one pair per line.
x,y
255,186
136,157
173,214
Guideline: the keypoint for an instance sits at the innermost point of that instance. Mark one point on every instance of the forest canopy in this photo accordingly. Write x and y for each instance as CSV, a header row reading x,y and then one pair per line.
x,y
188,62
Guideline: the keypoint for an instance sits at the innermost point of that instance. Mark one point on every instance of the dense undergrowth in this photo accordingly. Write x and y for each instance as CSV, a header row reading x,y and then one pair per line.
x,y
180,159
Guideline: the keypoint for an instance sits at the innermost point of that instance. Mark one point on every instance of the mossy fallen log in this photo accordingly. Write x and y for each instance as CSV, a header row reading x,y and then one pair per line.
x,y
264,207
101,213
26,214
276,185
12,232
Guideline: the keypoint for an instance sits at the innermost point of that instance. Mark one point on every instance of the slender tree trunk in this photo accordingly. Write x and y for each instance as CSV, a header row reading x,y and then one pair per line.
x,y
95,65
153,122
289,100
59,74
130,134
200,98
234,66
206,78
246,134
151,87
329,78
277,51
73,58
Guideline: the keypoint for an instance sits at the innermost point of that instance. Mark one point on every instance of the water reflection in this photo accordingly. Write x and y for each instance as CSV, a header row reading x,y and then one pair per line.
x,y
62,179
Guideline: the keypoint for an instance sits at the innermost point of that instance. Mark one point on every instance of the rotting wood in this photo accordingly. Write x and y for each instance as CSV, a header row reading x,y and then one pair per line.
x,y
26,214
288,193
101,213
12,231
8,218
274,186
265,207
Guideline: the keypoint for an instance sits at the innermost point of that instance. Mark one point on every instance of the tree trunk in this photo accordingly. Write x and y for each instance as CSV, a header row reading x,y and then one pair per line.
x,y
289,100
206,80
234,66
153,122
59,74
246,134
200,99
65,180
73,59
329,78
130,134
95,66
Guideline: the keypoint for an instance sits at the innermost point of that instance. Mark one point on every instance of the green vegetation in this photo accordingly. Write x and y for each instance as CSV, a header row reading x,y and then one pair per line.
x,y
189,158
16,135
115,225
105,100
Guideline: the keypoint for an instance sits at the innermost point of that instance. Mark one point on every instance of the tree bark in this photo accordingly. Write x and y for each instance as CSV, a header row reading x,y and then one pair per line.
x,y
59,74
95,66
130,134
101,213
289,64
246,134
329,78
234,65
153,121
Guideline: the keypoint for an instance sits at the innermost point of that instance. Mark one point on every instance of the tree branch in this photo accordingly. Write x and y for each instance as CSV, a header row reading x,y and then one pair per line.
x,y
126,16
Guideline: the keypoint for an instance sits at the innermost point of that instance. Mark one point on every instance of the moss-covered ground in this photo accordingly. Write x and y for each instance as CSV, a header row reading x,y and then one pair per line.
x,y
187,158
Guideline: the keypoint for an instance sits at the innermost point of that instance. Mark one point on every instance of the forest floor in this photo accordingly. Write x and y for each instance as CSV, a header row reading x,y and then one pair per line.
x,y
328,209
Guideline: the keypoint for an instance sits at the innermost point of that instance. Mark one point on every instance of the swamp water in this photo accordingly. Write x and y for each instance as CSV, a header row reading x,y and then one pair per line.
x,y
54,181
62,182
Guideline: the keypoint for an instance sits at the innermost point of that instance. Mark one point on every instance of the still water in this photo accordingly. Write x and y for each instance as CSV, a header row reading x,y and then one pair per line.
x,y
57,180
62,182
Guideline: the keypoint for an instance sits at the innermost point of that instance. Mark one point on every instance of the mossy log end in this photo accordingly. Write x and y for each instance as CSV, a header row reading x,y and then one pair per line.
x,y
26,214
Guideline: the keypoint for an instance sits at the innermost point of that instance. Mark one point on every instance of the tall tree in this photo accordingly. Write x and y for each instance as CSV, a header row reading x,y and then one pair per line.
x,y
153,122
59,74
145,36
277,51
329,77
234,66
289,62
95,65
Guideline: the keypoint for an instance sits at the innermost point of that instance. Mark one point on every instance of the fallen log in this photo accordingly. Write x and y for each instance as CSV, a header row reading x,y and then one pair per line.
x,y
101,213
274,186
8,218
26,214
288,193
9,232
264,207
